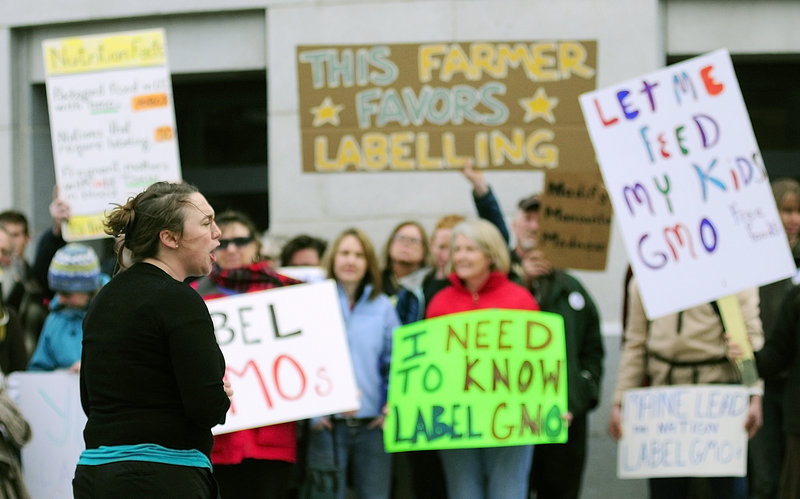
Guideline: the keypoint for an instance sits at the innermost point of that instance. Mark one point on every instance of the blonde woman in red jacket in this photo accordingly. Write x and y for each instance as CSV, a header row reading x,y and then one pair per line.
x,y
479,261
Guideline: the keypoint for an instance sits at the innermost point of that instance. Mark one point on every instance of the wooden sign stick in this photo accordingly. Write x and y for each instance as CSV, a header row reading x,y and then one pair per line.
x,y
731,313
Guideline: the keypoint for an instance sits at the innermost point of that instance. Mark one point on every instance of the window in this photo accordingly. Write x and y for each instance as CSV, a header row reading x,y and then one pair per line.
x,y
222,137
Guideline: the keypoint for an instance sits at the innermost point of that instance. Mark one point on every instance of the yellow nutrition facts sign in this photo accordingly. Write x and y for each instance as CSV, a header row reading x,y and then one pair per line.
x,y
104,52
112,121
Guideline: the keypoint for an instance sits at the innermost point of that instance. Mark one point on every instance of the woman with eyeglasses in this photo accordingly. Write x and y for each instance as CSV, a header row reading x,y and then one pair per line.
x,y
406,255
257,462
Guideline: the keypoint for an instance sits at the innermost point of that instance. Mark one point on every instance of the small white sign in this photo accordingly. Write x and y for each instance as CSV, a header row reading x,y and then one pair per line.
x,y
286,353
676,431
304,273
51,403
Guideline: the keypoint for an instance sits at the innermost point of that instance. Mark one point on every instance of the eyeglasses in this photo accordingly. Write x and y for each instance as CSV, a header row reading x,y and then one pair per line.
x,y
236,241
414,241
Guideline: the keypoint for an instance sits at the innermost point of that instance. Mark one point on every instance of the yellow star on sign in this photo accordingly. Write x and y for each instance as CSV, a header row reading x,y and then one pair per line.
x,y
327,112
539,106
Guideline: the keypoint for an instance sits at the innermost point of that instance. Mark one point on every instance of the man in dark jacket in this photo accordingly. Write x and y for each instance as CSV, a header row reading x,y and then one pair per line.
x,y
779,356
557,469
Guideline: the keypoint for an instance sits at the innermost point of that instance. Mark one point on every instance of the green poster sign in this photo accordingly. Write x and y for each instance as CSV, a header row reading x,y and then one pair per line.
x,y
488,378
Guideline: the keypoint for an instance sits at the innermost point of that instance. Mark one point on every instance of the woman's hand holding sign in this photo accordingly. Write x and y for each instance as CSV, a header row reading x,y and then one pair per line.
x,y
615,422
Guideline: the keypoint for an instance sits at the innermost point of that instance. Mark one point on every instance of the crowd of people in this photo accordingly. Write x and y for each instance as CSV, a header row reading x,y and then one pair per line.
x,y
143,344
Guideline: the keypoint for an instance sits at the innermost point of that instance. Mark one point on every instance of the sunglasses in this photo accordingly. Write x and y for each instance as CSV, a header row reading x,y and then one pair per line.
x,y
236,241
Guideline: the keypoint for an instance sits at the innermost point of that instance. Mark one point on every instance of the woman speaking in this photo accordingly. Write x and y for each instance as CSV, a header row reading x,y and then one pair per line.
x,y
151,371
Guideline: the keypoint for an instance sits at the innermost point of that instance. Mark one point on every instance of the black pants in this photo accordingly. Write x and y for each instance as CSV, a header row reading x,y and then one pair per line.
x,y
427,474
254,478
134,479
790,481
768,447
726,487
557,469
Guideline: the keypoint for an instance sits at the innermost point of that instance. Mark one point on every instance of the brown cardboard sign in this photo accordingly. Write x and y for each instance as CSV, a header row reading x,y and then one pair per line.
x,y
575,220
432,106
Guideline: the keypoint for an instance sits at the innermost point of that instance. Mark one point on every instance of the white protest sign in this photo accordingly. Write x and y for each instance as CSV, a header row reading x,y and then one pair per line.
x,y
693,430
51,403
305,273
688,185
286,353
112,121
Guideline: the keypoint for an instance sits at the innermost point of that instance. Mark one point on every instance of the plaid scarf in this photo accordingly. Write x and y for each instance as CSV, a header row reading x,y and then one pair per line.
x,y
254,277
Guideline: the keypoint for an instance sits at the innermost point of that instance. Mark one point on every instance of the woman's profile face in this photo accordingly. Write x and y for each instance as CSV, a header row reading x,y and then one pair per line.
x,y
199,237
349,261
237,246
440,246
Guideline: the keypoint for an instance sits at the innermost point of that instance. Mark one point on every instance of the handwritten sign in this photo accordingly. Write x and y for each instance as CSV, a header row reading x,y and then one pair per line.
x,y
51,403
112,121
432,106
488,378
693,430
574,220
286,359
688,184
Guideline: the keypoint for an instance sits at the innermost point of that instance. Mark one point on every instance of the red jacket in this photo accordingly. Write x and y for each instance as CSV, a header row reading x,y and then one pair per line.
x,y
496,292
276,442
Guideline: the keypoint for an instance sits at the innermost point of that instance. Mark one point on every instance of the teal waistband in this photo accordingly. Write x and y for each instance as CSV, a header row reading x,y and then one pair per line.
x,y
151,453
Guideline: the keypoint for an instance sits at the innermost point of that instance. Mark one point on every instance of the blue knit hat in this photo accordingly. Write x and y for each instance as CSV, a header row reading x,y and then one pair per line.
x,y
75,267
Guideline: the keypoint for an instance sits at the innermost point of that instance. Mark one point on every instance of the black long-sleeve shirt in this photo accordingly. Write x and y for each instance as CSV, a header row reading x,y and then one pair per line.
x,y
151,369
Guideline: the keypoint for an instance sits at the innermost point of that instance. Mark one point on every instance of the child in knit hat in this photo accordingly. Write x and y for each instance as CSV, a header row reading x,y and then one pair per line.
x,y
74,275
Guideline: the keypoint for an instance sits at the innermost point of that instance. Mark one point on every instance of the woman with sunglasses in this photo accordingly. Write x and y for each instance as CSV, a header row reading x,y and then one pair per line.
x,y
257,462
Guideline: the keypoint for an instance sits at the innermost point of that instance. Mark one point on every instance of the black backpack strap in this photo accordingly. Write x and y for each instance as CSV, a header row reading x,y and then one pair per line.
x,y
715,306
693,365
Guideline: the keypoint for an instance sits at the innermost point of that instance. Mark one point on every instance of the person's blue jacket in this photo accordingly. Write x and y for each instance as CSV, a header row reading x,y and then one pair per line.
x,y
60,342
59,345
369,326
